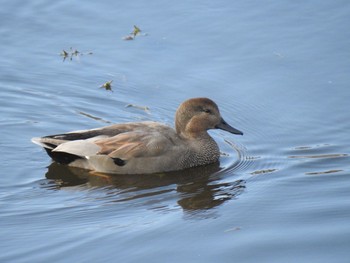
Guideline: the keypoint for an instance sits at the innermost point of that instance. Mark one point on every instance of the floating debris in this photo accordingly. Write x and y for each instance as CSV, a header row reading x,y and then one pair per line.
x,y
136,32
324,172
129,37
73,53
92,117
263,171
144,108
107,85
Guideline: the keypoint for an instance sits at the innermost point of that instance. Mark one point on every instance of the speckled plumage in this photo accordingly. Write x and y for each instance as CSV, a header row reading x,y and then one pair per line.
x,y
143,147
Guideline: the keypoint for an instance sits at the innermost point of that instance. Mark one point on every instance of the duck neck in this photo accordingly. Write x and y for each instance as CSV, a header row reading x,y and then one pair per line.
x,y
203,135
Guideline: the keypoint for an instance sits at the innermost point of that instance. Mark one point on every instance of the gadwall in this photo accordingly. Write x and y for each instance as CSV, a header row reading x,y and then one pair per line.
x,y
143,147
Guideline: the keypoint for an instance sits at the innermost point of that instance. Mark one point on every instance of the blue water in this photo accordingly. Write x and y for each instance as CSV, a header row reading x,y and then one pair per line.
x,y
279,72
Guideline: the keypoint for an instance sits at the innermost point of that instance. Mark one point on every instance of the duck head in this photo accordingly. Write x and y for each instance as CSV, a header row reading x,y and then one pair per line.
x,y
195,116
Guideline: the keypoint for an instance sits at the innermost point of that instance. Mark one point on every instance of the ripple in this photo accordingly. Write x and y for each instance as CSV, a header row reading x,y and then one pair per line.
x,y
318,159
323,156
235,157
319,151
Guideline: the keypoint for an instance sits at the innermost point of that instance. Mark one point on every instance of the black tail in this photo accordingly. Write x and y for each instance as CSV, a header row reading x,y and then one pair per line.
x,y
62,157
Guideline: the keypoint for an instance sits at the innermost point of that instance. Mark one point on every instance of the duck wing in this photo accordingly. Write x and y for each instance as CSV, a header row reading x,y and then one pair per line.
x,y
119,142
50,142
149,142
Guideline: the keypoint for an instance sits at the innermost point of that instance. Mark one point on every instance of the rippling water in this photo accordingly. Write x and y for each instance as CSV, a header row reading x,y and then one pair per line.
x,y
279,72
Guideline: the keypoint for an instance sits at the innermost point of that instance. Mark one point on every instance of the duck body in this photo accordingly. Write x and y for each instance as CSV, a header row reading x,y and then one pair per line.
x,y
143,147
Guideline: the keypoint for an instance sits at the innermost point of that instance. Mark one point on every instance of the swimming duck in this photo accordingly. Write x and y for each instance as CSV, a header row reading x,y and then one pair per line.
x,y
143,147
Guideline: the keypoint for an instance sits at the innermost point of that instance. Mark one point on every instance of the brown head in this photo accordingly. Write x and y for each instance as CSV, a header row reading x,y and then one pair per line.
x,y
195,116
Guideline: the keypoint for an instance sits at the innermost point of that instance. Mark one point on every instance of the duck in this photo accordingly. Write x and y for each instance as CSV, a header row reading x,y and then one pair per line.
x,y
145,147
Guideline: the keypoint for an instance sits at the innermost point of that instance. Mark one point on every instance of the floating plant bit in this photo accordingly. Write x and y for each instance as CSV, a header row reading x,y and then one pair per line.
x,y
107,85
73,53
64,54
134,33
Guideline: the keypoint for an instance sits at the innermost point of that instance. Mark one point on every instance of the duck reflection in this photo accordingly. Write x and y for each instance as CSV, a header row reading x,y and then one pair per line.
x,y
199,188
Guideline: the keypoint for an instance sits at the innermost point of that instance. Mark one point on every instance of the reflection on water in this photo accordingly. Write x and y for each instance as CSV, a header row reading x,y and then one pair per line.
x,y
198,188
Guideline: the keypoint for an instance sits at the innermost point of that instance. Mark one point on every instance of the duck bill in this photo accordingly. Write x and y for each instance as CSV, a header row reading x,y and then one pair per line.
x,y
223,125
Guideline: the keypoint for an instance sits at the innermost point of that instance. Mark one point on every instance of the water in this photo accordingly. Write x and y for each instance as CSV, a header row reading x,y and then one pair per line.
x,y
279,72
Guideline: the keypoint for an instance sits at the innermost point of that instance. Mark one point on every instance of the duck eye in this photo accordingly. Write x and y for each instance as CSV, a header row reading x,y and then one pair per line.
x,y
207,111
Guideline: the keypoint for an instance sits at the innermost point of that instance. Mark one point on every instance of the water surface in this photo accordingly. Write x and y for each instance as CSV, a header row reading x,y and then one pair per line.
x,y
278,71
